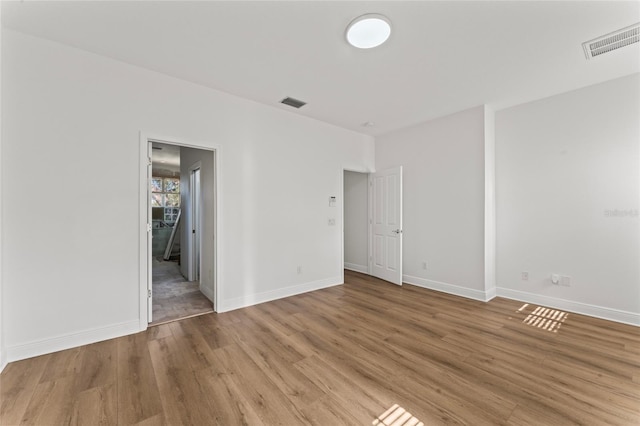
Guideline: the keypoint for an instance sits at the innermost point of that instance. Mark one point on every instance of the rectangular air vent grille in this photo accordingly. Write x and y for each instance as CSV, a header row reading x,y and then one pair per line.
x,y
612,41
293,102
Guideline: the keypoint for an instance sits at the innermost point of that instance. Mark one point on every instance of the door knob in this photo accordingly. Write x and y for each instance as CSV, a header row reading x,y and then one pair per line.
x,y
397,231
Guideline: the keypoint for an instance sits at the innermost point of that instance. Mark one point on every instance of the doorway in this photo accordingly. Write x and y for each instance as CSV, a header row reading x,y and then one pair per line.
x,y
372,219
356,222
178,255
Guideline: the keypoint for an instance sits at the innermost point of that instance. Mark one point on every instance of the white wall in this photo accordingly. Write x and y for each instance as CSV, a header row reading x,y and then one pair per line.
x,y
69,115
188,158
562,162
444,200
356,227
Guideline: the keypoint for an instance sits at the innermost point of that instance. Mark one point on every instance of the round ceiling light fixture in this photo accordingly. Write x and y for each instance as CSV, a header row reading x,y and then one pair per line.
x,y
367,31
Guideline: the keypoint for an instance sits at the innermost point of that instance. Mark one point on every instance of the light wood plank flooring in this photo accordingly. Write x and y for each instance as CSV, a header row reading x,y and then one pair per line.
x,y
341,356
173,296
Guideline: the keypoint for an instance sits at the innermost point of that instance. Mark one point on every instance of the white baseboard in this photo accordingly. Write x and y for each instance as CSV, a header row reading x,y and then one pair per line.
x,y
490,293
610,314
616,315
357,268
267,296
59,343
3,359
469,293
208,293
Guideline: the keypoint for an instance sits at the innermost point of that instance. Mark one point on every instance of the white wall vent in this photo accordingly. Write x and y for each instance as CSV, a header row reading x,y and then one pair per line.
x,y
612,41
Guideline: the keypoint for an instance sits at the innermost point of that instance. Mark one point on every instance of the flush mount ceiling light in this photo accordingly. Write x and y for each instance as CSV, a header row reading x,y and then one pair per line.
x,y
368,31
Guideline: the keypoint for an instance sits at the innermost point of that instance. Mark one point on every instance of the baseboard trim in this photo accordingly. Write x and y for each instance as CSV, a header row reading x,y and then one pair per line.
x,y
207,292
610,314
357,268
59,343
267,296
3,359
456,290
490,293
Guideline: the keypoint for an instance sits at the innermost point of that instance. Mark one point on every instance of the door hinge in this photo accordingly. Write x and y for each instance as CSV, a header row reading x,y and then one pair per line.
x,y
149,162
149,293
148,227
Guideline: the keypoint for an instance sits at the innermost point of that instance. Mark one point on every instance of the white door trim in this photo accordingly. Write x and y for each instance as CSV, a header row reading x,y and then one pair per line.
x,y
144,254
145,233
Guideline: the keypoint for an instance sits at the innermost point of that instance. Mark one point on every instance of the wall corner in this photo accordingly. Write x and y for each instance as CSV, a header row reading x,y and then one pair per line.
x,y
489,201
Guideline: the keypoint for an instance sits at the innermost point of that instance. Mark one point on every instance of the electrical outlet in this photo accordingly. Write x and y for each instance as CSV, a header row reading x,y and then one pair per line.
x,y
424,265
332,222
565,281
299,270
524,276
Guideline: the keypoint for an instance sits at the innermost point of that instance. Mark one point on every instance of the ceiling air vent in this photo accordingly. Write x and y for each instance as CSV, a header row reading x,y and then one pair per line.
x,y
612,41
293,102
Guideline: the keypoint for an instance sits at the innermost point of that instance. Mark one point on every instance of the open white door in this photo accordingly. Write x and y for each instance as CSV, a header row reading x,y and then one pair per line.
x,y
196,217
386,228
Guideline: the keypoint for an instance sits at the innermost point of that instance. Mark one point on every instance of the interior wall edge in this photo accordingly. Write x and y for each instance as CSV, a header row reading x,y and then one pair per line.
x,y
3,357
489,199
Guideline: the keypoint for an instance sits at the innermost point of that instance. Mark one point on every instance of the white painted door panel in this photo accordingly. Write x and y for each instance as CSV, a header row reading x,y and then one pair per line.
x,y
386,219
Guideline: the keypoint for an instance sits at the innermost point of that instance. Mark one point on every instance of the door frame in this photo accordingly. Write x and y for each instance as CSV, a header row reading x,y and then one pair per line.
x,y
369,225
144,224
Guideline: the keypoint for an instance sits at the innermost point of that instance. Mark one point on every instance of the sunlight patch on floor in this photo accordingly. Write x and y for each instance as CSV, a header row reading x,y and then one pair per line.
x,y
544,318
397,416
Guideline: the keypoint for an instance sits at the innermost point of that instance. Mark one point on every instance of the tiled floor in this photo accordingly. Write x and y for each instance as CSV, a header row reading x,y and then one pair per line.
x,y
173,296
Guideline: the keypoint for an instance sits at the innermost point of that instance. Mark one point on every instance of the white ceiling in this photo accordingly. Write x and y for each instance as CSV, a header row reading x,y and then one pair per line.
x,y
442,57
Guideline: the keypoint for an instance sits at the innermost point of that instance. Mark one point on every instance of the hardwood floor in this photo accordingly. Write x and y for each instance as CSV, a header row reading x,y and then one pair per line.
x,y
342,356
173,296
